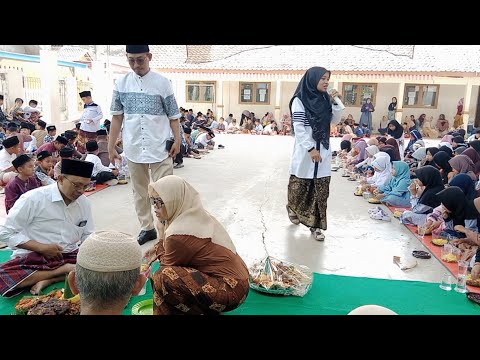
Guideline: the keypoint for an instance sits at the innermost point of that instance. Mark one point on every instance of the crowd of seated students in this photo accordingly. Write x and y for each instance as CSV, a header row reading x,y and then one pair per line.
x,y
24,166
438,186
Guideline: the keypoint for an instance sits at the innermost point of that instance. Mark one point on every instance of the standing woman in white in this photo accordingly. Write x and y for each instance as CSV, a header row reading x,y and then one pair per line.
x,y
312,112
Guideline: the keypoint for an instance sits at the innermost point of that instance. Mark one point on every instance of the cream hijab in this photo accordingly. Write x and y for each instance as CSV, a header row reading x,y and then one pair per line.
x,y
186,215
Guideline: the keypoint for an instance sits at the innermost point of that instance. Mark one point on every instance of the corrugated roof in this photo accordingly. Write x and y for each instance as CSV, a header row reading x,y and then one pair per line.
x,y
73,53
391,58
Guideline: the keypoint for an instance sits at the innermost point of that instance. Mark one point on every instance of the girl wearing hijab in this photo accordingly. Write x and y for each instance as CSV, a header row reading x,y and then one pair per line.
x,y
475,157
372,141
370,152
366,117
423,196
358,152
462,164
395,130
442,124
428,129
431,151
383,171
475,145
310,171
457,210
396,193
419,157
440,160
446,148
421,120
435,220
201,272
394,145
414,137
458,120
392,109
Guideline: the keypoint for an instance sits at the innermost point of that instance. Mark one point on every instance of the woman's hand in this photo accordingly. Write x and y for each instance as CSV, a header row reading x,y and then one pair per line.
x,y
413,188
315,155
334,93
151,255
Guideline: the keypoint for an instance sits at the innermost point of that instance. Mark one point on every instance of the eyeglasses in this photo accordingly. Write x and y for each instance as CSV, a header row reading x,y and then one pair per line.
x,y
79,187
157,202
139,60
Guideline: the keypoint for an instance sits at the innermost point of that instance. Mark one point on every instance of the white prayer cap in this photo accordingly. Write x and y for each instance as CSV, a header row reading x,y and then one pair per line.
x,y
110,251
372,310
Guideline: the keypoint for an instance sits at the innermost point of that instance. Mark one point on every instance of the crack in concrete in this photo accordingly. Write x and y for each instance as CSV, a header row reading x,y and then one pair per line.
x,y
262,218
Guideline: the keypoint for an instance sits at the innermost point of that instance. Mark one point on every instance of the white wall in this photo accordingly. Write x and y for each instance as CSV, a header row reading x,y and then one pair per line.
x,y
447,102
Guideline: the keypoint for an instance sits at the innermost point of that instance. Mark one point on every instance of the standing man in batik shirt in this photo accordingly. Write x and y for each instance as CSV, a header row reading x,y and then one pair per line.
x,y
143,101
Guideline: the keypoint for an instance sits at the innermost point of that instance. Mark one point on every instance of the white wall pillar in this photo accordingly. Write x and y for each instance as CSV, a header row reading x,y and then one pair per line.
x,y
219,100
401,92
278,98
101,87
466,103
72,104
50,88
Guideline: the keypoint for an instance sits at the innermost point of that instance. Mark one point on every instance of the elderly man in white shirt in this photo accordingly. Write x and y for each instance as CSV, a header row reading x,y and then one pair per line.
x,y
45,228
92,114
143,101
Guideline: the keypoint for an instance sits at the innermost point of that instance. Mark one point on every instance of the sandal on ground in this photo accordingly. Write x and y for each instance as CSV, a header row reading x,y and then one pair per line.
x,y
317,234
374,209
292,216
380,216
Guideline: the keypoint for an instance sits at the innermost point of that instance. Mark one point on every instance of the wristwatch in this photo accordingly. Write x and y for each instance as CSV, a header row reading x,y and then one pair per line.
x,y
312,148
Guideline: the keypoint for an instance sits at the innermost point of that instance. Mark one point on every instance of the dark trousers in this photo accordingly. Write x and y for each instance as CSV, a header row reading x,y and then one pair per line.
x,y
103,176
179,156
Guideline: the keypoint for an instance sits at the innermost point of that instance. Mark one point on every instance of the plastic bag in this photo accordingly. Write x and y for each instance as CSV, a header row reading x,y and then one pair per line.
x,y
274,276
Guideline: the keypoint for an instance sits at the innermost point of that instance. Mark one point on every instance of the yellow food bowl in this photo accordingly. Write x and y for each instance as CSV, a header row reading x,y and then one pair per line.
x,y
439,241
450,258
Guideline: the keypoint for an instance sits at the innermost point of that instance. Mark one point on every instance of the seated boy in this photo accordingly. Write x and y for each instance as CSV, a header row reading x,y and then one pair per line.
x,y
44,170
65,153
23,182
11,147
101,174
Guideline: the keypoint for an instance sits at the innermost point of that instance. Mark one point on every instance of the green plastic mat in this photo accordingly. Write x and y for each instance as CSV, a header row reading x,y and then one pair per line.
x,y
330,295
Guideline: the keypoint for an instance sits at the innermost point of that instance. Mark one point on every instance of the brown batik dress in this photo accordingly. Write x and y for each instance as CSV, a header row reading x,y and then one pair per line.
x,y
201,286
308,199
182,290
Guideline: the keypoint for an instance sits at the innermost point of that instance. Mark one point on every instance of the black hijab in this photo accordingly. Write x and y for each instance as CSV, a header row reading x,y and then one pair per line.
x,y
432,151
390,151
432,179
475,144
398,132
346,145
446,149
466,184
453,198
318,105
440,160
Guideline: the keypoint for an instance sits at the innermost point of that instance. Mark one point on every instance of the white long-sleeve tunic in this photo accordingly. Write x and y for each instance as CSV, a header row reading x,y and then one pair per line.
x,y
302,165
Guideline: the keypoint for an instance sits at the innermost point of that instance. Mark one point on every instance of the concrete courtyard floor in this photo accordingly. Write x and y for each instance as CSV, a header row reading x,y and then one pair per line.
x,y
245,187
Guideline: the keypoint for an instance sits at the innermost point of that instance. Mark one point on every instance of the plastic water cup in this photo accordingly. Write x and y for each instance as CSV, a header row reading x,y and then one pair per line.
x,y
446,283
461,285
